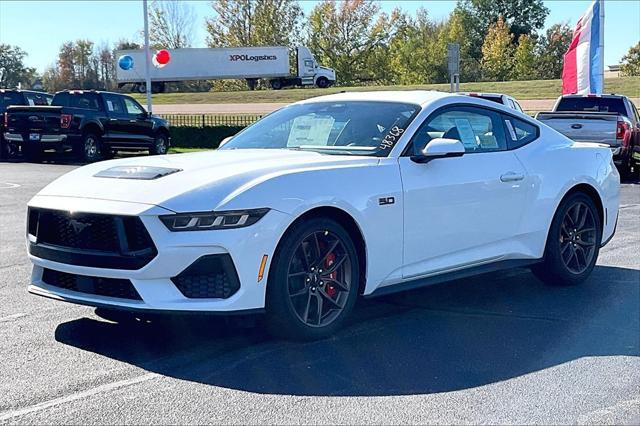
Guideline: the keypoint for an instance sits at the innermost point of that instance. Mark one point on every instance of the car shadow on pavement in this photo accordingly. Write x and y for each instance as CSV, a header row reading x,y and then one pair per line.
x,y
442,338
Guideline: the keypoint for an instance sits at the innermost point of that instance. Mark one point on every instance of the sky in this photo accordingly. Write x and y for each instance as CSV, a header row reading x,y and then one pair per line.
x,y
51,23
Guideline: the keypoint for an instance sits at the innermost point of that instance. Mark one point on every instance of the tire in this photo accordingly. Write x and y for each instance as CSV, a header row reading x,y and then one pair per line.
x,y
581,248
91,148
276,84
160,145
304,300
322,82
141,88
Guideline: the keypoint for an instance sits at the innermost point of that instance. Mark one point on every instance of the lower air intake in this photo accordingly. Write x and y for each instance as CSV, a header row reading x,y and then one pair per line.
x,y
109,287
209,277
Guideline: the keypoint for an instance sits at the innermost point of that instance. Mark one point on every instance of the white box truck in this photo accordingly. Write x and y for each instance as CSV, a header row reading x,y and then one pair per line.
x,y
247,63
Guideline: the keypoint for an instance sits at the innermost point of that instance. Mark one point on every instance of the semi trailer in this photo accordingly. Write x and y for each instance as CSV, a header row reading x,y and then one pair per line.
x,y
271,63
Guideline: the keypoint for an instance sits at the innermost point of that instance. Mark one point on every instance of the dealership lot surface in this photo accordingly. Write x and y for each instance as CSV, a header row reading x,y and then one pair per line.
x,y
499,348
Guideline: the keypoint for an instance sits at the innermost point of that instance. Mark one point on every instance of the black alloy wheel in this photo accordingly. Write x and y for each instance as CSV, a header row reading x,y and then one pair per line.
x,y
573,242
313,280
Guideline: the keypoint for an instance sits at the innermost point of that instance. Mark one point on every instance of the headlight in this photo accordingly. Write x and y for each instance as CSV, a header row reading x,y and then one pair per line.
x,y
204,221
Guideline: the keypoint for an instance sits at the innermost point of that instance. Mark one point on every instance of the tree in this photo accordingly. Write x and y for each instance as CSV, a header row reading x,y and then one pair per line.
x,y
345,34
171,24
254,23
497,58
551,49
521,16
631,61
82,52
524,60
13,72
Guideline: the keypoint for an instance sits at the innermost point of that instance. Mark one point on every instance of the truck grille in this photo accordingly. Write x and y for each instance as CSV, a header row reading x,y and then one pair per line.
x,y
88,239
109,287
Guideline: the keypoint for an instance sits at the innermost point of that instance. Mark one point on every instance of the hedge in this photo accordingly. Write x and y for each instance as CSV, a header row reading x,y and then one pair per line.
x,y
201,137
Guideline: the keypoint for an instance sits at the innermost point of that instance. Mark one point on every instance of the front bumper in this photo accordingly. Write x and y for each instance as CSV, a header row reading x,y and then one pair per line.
x,y
176,251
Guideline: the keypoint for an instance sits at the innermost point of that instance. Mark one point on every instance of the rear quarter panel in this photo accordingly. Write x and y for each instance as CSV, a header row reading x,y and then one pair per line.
x,y
556,165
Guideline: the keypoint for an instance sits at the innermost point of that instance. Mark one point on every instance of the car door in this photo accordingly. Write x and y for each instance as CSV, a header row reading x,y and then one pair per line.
x,y
117,118
461,211
139,127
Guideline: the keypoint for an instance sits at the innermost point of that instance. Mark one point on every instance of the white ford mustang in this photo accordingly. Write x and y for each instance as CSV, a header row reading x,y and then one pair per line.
x,y
322,201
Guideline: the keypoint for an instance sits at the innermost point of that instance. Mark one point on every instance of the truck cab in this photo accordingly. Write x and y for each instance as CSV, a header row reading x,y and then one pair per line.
x,y
310,72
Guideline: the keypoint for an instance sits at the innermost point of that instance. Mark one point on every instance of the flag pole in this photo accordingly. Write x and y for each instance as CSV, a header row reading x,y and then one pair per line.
x,y
601,42
147,56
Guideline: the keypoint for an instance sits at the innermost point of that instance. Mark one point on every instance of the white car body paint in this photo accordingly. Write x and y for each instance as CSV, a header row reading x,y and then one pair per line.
x,y
448,214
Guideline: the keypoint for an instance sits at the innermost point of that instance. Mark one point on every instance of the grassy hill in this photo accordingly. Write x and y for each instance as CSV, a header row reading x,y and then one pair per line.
x,y
534,89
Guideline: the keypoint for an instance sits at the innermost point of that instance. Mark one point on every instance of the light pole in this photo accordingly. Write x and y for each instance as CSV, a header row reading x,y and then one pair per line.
x,y
147,56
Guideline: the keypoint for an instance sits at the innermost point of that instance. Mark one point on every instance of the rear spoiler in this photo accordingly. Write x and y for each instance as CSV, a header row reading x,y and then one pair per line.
x,y
608,116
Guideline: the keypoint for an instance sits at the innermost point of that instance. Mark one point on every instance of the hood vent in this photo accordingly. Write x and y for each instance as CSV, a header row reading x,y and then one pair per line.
x,y
136,172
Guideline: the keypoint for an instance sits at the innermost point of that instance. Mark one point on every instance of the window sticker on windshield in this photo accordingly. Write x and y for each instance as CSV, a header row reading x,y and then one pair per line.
x,y
31,102
110,105
310,130
467,137
391,137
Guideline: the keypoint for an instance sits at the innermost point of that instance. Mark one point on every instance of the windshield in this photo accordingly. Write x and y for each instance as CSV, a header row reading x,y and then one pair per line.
x,y
352,128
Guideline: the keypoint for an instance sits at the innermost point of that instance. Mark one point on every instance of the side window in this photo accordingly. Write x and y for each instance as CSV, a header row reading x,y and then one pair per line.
x,y
132,107
84,101
635,112
479,130
113,104
519,132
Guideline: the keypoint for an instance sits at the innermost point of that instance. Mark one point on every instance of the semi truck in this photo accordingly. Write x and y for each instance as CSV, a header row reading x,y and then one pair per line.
x,y
247,63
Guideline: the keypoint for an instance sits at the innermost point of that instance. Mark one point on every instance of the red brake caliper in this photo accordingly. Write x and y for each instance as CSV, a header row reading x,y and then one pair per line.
x,y
330,289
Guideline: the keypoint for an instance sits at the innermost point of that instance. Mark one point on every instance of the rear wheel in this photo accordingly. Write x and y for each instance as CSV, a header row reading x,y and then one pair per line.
x,y
276,84
313,282
573,243
91,148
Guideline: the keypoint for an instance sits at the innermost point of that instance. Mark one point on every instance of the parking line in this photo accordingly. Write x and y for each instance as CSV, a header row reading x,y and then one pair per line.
x,y
76,396
12,317
8,185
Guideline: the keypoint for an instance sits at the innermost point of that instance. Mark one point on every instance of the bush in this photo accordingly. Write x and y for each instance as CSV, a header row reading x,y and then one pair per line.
x,y
201,137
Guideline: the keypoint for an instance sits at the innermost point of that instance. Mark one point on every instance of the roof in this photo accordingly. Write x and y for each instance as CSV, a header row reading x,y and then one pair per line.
x,y
420,97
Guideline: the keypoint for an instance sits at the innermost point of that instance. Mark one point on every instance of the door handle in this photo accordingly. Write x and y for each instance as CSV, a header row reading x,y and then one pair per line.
x,y
133,121
511,177
113,119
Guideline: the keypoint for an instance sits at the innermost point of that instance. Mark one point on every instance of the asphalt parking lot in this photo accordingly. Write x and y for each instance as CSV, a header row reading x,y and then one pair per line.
x,y
499,348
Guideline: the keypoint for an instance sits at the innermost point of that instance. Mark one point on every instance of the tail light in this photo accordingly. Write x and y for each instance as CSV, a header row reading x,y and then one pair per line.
x,y
6,119
621,131
65,120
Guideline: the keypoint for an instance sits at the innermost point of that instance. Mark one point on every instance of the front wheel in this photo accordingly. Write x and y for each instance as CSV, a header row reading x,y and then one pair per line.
x,y
160,145
322,82
313,282
573,243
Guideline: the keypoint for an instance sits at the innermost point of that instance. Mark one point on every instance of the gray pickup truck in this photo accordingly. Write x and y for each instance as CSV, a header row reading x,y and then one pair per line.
x,y
607,119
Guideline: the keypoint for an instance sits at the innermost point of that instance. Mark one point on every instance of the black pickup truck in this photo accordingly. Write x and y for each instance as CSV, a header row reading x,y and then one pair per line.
x,y
10,97
92,124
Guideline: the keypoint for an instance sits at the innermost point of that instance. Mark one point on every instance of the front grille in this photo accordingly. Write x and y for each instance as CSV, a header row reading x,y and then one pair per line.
x,y
109,287
209,277
88,239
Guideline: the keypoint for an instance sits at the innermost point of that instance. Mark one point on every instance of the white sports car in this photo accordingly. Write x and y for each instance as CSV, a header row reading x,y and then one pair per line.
x,y
323,201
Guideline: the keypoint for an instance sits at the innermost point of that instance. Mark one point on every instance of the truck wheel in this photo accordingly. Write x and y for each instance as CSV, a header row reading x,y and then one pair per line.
x,y
91,148
141,88
160,145
322,82
276,84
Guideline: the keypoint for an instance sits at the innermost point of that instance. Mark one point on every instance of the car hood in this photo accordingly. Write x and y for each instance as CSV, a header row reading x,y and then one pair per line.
x,y
192,182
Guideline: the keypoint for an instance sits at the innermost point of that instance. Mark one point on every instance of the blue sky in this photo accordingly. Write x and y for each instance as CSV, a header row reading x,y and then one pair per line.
x,y
50,23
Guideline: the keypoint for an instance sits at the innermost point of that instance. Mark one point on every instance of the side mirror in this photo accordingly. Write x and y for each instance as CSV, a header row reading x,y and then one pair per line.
x,y
143,115
439,148
225,140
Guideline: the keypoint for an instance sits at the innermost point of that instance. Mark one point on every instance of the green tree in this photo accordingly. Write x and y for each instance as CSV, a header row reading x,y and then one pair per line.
x,y
344,35
551,49
82,52
524,60
521,16
171,24
13,72
254,23
497,52
631,61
